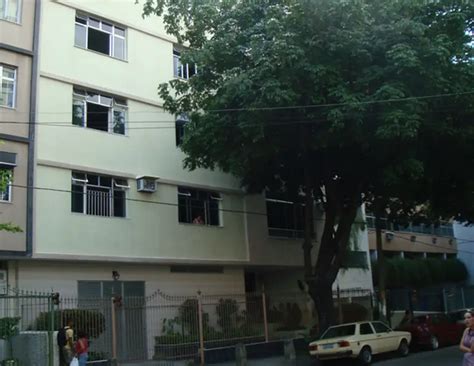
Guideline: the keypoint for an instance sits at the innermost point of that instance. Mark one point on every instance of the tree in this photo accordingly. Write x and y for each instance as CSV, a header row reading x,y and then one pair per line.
x,y
345,101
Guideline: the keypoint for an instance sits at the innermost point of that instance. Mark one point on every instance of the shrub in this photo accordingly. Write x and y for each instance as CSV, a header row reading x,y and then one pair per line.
x,y
228,313
90,321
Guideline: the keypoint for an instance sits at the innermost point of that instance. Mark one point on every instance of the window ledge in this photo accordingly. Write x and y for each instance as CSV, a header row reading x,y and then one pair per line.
x,y
100,53
11,21
7,107
100,217
100,131
200,225
7,202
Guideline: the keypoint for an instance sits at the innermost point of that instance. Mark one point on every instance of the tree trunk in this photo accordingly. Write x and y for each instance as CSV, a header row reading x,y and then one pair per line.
x,y
321,293
381,270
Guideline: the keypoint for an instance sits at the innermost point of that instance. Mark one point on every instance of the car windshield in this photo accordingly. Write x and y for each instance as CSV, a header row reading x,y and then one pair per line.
x,y
339,331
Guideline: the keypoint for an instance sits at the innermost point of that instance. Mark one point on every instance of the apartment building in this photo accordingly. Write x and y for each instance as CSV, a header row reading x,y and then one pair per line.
x,y
414,240
17,64
114,210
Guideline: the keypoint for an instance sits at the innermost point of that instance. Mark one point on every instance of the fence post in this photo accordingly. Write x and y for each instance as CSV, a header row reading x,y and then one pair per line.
x,y
463,298
114,332
201,329
264,309
339,305
445,299
51,331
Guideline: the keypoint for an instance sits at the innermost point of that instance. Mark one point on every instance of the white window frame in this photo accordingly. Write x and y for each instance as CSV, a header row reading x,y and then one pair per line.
x,y
114,186
9,184
85,97
5,12
112,34
291,233
9,79
212,196
179,68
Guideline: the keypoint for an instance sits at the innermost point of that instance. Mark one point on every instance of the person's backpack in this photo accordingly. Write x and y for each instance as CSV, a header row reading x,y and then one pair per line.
x,y
62,337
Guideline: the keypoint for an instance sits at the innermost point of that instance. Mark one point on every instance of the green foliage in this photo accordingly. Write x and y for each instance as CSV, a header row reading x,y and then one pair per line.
x,y
9,328
90,321
228,313
5,178
341,98
418,273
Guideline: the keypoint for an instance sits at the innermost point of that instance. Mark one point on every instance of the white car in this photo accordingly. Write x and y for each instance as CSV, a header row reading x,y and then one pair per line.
x,y
360,341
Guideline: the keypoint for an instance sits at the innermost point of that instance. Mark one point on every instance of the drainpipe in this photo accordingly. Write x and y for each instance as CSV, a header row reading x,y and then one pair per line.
x,y
32,130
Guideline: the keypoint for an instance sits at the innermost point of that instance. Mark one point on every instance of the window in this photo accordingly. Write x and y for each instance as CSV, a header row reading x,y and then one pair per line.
x,y
380,327
7,96
98,195
181,122
6,175
198,207
284,218
99,112
339,331
7,163
100,36
10,10
365,329
182,71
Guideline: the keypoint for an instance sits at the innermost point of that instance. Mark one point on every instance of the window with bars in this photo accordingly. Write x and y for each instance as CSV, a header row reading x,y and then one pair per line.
x,y
98,195
183,71
199,207
99,111
10,10
285,218
7,95
100,36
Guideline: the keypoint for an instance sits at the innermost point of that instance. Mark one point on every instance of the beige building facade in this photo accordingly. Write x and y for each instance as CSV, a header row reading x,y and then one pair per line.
x,y
17,62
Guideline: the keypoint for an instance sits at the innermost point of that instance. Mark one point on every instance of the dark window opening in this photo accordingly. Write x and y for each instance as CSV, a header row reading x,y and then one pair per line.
x,y
198,207
285,218
98,41
97,117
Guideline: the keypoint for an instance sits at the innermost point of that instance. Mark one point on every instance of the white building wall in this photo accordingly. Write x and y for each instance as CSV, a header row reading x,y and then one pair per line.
x,y
465,240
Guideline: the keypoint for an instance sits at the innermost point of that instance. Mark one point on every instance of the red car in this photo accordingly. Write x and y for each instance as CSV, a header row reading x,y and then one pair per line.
x,y
434,330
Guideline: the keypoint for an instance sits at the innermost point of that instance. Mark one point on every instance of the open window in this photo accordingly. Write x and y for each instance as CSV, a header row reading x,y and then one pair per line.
x,y
183,71
98,195
100,36
7,164
285,217
99,112
181,121
198,206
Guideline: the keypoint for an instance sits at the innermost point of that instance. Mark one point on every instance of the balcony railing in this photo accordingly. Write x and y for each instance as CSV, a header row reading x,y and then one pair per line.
x,y
441,230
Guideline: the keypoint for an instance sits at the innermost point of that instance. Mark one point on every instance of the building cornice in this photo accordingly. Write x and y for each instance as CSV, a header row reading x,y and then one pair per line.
x,y
21,51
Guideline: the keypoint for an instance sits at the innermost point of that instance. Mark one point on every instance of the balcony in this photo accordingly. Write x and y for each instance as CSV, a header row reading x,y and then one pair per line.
x,y
441,230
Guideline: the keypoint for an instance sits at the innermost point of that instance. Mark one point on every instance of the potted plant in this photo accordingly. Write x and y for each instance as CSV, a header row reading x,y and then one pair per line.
x,y
9,329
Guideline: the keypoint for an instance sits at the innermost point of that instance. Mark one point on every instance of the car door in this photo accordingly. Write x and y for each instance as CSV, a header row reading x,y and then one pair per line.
x,y
385,337
368,336
450,329
439,328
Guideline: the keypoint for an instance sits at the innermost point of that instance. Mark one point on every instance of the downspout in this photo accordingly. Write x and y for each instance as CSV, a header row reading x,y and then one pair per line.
x,y
32,130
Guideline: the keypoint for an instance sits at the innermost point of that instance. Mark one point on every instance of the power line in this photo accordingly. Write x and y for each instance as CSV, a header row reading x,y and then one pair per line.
x,y
173,204
308,106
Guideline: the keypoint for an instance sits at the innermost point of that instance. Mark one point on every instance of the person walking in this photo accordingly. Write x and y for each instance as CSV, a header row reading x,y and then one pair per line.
x,y
82,348
65,342
467,341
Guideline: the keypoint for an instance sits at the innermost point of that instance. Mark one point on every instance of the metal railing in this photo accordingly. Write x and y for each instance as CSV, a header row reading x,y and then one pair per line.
x,y
441,230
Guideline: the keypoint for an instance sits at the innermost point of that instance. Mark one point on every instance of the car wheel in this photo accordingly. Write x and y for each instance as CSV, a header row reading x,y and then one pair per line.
x,y
365,356
434,343
403,349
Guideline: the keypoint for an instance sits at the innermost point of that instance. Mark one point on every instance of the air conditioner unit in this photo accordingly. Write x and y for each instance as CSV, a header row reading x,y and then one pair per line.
x,y
3,282
389,235
146,184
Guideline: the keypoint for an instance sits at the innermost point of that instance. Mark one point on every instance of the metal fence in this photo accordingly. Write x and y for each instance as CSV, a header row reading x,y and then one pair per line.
x,y
168,328
27,327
